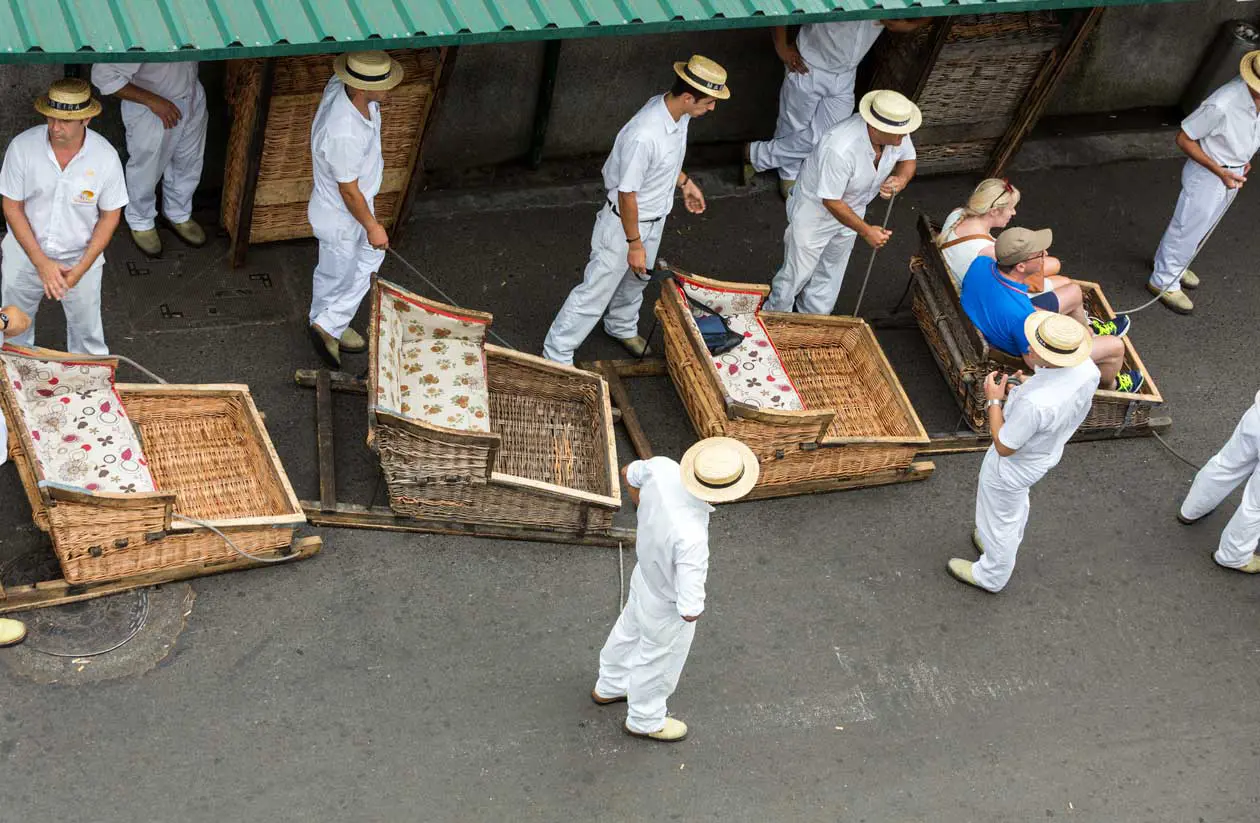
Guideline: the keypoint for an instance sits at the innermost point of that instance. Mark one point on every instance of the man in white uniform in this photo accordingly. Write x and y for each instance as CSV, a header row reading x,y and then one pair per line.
x,y
164,112
63,197
1029,430
817,91
349,167
641,173
1237,461
645,652
868,154
1219,137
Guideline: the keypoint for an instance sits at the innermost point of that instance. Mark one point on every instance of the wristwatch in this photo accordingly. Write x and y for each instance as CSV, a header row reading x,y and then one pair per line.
x,y
993,401
4,318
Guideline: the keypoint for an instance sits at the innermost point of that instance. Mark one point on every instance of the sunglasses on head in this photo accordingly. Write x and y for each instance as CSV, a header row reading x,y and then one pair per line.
x,y
1007,188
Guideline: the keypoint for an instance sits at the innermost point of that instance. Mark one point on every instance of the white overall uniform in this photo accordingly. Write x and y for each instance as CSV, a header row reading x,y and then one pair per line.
x,y
63,207
646,159
153,151
1237,461
1227,128
811,104
645,652
1040,417
816,244
344,147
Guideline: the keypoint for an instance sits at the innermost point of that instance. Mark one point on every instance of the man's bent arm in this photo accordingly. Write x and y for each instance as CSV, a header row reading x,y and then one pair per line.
x,y
15,214
101,235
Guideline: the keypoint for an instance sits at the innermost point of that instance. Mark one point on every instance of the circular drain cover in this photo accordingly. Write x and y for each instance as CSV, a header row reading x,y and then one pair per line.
x,y
104,638
82,629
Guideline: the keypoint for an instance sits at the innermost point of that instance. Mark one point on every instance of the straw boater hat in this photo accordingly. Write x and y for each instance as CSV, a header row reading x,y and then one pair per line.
x,y
368,70
1057,339
1248,69
719,469
703,74
890,112
68,99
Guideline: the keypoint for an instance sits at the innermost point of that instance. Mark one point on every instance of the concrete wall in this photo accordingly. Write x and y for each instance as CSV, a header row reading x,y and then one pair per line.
x,y
1138,56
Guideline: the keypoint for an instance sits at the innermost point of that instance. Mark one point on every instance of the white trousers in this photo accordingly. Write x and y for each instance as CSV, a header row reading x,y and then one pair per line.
x,y
1237,461
1203,199
173,155
1001,514
344,271
816,249
608,284
21,287
643,659
809,105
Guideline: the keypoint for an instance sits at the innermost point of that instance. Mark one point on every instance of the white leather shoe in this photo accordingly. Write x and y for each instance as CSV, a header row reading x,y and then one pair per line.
x,y
671,732
12,631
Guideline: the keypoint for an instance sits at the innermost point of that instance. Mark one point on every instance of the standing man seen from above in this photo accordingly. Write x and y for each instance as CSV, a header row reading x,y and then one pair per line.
x,y
1219,137
1030,424
348,168
1236,462
164,112
867,155
63,197
817,92
641,173
644,655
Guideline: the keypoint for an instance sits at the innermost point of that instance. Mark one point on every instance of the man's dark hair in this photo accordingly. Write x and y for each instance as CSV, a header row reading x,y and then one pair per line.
x,y
682,87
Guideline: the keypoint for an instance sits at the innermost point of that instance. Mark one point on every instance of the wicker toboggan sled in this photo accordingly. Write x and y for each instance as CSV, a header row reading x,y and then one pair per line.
x,y
965,357
813,396
111,470
471,433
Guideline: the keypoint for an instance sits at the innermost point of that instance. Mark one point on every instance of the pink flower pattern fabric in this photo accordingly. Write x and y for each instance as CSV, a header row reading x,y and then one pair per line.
x,y
752,372
432,365
76,420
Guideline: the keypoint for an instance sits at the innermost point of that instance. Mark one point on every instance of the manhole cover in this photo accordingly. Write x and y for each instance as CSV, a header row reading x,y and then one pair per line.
x,y
100,639
191,288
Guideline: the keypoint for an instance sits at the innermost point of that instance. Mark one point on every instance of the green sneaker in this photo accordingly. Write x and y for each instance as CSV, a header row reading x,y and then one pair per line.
x,y
1129,382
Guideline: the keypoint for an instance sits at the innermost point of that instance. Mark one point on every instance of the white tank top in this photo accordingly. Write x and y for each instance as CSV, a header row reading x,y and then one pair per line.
x,y
960,256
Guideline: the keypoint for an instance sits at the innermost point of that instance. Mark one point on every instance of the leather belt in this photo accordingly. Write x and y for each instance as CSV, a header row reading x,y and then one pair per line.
x,y
613,206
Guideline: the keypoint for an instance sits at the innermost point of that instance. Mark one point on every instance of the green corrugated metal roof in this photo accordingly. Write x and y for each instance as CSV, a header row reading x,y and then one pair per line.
x,y
100,30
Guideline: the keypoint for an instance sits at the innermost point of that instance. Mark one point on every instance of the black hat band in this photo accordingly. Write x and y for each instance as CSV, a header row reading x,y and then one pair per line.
x,y
886,121
701,81
1054,349
367,78
709,485
59,106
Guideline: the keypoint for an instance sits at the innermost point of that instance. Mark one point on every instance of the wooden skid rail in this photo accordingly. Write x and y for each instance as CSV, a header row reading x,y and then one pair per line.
x,y
969,441
58,592
917,471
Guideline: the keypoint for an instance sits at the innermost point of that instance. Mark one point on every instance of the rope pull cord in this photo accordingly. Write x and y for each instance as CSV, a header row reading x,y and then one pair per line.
x,y
1233,195
444,295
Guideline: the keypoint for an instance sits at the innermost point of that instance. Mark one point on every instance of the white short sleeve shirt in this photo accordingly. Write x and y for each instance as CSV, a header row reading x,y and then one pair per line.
x,y
1226,125
1040,417
647,158
837,47
62,205
842,165
345,146
672,543
174,81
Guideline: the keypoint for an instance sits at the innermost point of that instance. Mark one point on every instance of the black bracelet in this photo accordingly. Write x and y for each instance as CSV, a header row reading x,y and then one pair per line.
x,y
634,239
685,181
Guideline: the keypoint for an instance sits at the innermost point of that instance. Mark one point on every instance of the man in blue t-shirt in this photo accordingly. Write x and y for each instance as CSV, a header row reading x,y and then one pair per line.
x,y
995,297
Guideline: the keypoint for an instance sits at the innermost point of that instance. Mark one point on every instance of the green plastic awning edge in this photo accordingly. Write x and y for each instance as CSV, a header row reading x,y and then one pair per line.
x,y
235,52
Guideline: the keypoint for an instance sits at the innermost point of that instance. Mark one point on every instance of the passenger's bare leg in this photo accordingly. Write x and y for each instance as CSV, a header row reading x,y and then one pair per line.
x,y
1072,302
1108,355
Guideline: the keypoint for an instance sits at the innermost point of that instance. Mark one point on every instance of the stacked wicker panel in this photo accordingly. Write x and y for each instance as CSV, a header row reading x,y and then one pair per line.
x,y
984,70
284,179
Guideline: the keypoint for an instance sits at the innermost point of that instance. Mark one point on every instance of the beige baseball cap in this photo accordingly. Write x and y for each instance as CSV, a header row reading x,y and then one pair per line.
x,y
1017,245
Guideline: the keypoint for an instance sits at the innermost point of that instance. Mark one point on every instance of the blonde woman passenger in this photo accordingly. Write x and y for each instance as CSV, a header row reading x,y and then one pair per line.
x,y
968,232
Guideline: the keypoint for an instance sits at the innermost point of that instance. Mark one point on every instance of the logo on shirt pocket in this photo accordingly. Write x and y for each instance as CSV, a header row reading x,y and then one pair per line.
x,y
87,197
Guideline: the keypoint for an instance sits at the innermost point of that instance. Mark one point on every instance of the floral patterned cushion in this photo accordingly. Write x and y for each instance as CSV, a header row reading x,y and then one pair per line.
x,y
81,431
432,365
751,372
